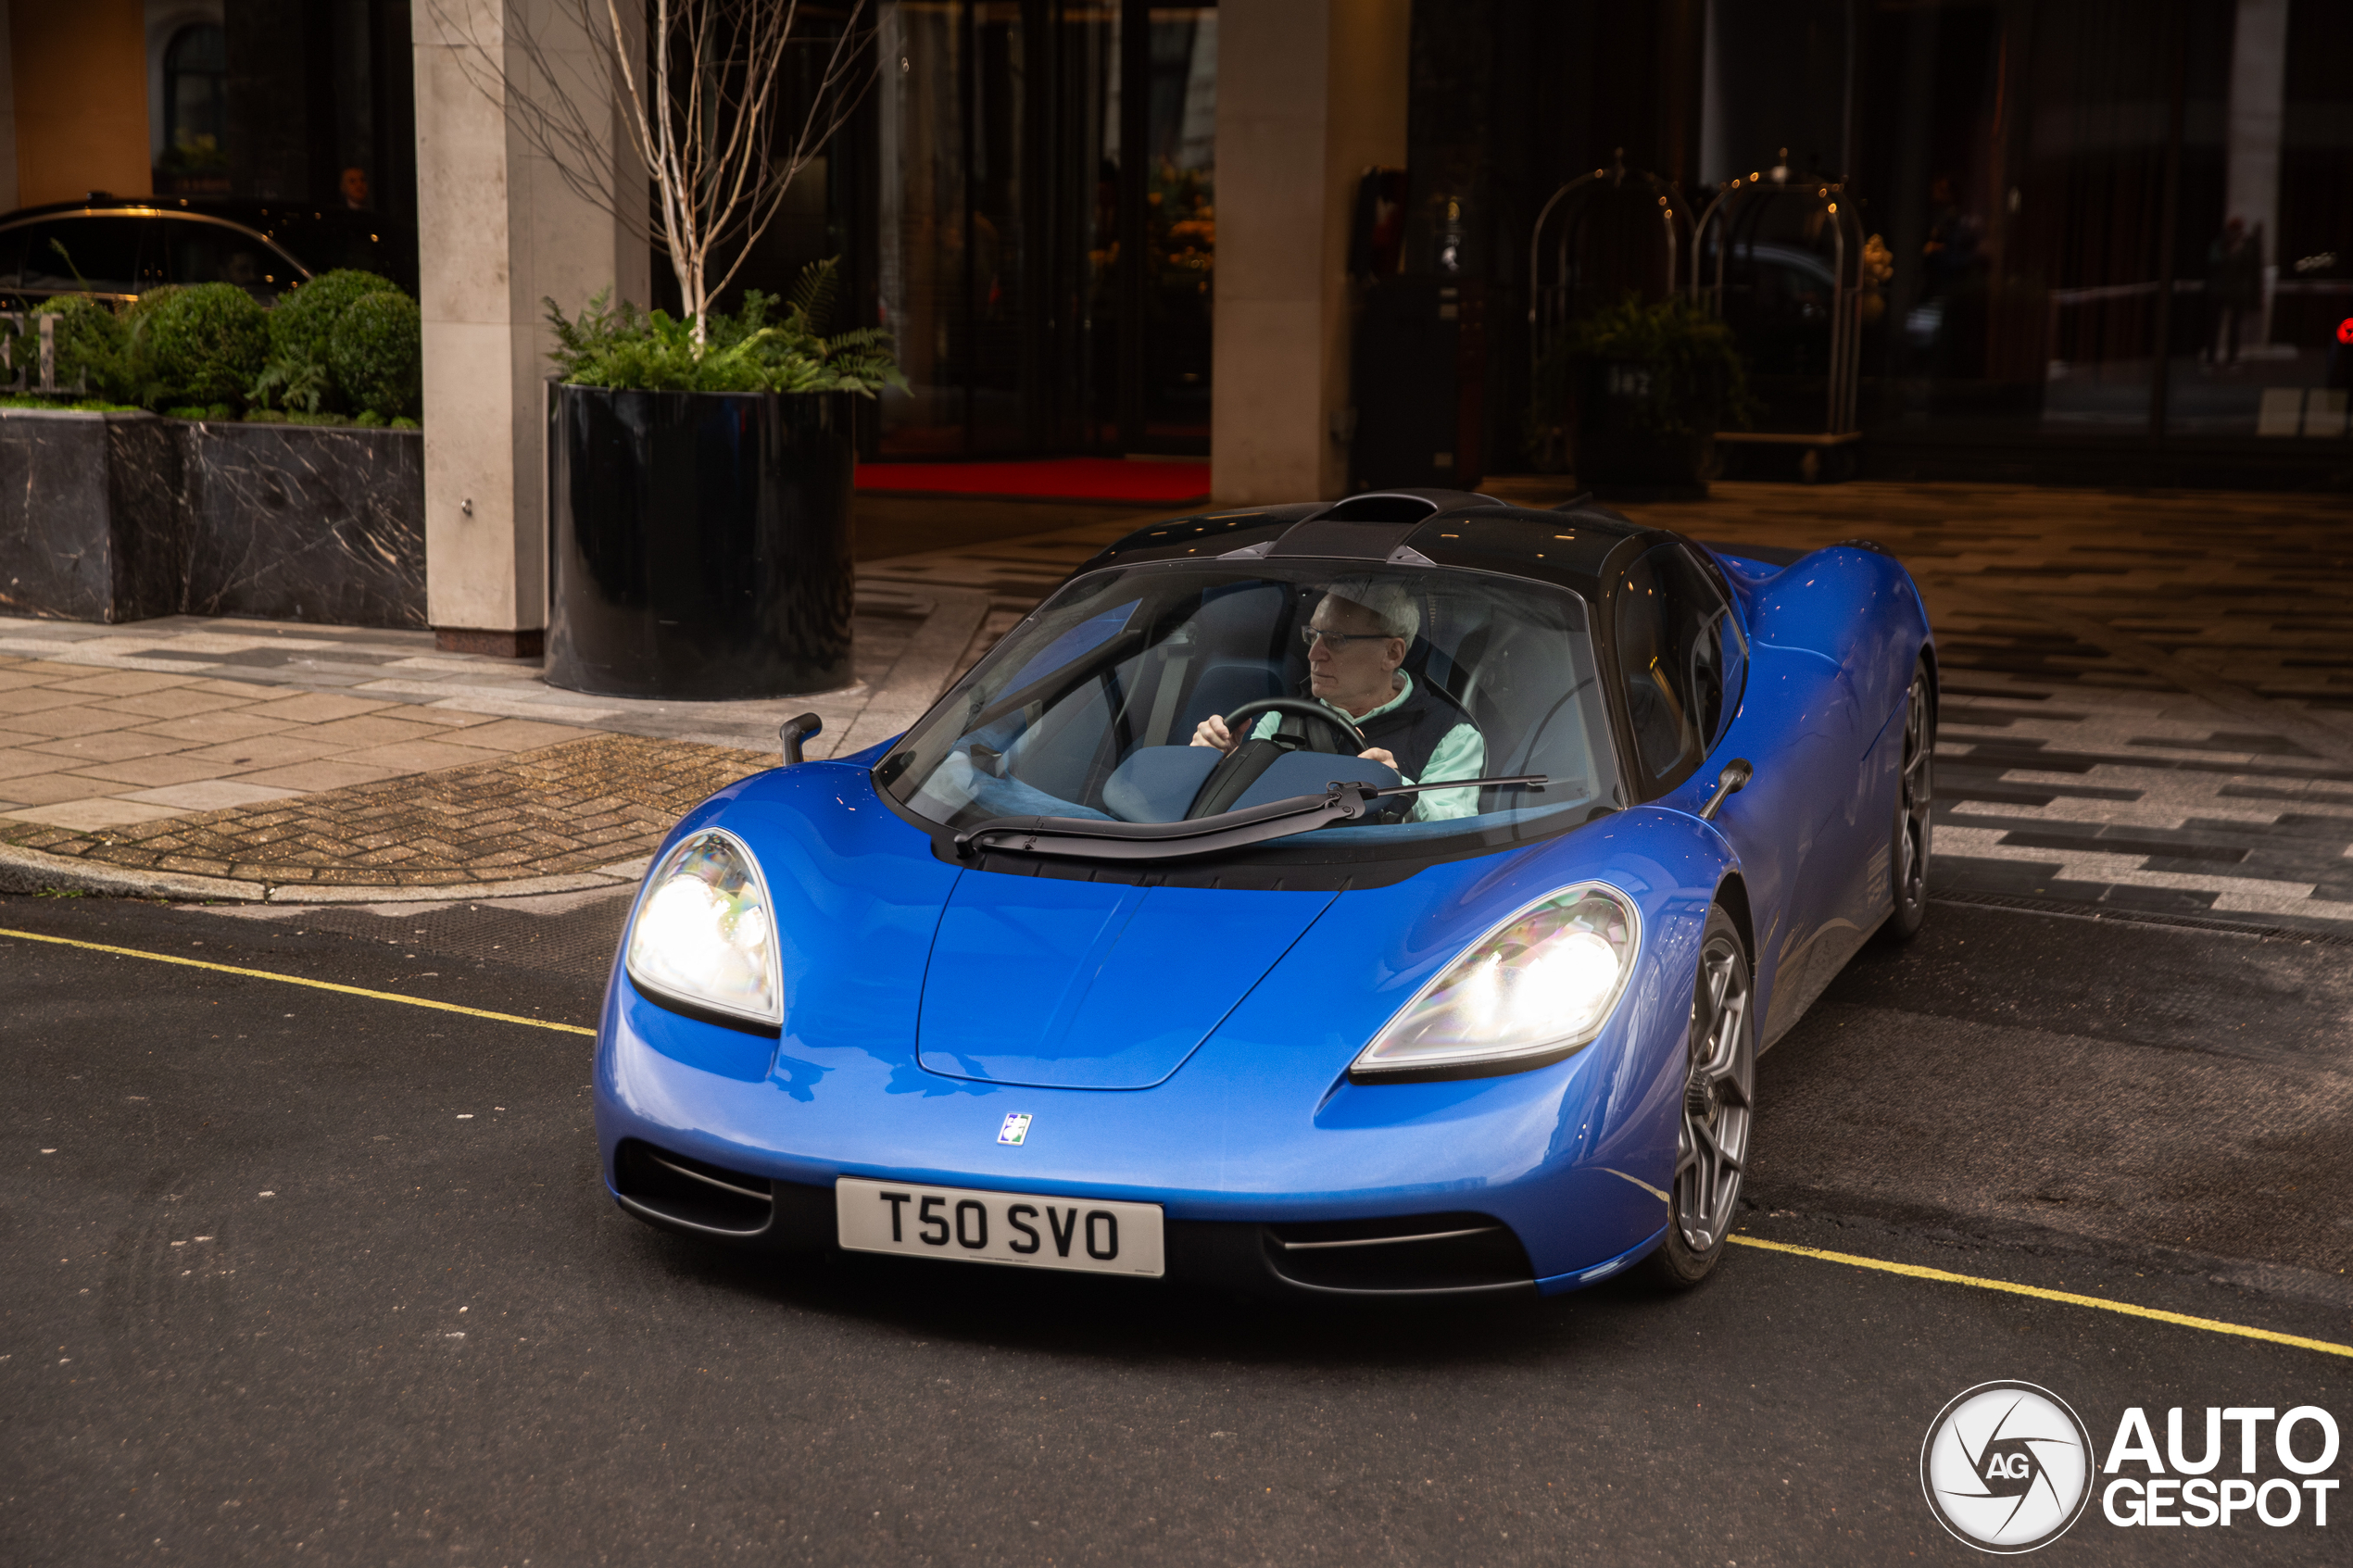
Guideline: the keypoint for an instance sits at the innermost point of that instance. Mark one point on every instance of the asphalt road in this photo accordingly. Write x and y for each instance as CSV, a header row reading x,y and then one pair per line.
x,y
317,1278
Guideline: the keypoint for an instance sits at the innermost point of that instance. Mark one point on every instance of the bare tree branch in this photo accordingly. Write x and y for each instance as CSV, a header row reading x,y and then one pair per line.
x,y
715,147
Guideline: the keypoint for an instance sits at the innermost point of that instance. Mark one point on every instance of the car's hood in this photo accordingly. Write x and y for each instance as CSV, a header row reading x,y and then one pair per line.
x,y
1093,986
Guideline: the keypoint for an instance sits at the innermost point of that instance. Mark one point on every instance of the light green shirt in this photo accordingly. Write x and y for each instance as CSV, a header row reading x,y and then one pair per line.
x,y
1461,753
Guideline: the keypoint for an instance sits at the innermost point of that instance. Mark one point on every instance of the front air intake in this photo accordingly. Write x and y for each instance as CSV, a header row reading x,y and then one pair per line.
x,y
1419,1255
678,1190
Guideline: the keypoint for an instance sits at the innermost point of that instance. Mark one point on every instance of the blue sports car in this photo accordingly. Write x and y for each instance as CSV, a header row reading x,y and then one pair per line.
x,y
1380,899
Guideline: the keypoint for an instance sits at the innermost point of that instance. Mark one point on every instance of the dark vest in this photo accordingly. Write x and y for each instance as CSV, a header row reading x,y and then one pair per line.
x,y
1411,731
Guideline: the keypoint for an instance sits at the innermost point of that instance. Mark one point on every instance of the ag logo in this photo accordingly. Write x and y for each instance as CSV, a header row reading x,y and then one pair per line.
x,y
2006,1467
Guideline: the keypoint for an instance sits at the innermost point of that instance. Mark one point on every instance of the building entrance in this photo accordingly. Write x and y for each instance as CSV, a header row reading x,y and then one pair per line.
x,y
1044,225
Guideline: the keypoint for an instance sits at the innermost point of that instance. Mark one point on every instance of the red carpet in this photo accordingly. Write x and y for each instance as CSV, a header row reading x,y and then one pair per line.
x,y
1056,479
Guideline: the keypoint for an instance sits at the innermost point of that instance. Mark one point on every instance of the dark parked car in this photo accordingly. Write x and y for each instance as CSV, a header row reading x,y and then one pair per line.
x,y
119,248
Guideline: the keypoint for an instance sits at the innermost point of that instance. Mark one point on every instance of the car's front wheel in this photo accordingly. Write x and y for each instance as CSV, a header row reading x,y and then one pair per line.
x,y
1719,1112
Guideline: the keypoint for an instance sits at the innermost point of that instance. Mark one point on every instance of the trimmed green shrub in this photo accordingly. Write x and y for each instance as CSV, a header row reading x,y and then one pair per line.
x,y
93,348
304,320
377,354
202,344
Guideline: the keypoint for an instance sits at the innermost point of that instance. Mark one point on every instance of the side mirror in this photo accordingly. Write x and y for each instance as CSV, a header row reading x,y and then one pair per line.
x,y
792,731
1731,782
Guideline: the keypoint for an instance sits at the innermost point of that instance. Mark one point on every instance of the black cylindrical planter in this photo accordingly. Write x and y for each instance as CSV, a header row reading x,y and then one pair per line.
x,y
698,542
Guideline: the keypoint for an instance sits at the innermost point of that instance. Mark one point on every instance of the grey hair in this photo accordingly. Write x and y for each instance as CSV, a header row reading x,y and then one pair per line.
x,y
1388,602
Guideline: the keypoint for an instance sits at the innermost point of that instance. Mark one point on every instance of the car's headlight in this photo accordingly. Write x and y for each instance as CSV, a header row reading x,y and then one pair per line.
x,y
703,933
1542,983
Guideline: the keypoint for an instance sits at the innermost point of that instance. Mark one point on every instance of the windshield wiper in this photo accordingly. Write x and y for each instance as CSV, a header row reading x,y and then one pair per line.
x,y
1105,839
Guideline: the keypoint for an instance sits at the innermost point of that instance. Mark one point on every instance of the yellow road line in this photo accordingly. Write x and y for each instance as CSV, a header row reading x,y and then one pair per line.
x,y
1914,1271
298,979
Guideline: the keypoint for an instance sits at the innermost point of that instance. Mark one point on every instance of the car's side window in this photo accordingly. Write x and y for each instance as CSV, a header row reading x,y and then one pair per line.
x,y
212,253
100,254
1719,653
1679,657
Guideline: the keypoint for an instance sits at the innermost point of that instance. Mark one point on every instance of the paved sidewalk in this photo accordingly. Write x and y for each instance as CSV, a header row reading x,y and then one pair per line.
x,y
2148,706
246,760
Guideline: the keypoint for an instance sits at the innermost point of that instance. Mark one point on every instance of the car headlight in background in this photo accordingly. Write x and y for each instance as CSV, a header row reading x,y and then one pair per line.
x,y
1542,983
703,933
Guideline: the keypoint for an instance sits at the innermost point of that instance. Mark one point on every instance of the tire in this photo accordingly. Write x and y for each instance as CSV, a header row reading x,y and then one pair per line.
x,y
1911,834
1713,1132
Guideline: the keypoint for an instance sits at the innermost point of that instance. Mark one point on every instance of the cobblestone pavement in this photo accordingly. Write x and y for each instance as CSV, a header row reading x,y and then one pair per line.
x,y
600,803
2147,700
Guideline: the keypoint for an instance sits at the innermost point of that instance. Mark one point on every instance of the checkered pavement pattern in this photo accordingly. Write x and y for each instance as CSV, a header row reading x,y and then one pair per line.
x,y
2068,771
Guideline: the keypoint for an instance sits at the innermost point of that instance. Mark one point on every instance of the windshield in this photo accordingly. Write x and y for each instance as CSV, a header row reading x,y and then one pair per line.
x,y
1189,692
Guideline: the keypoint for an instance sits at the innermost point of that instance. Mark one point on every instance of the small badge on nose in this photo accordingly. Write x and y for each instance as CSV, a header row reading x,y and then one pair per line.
x,y
1017,1128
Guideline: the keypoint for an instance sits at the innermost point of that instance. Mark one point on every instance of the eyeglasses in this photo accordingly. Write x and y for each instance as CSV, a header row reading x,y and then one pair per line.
x,y
1311,635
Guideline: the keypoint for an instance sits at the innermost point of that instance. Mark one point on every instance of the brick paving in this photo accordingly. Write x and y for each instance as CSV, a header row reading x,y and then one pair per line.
x,y
387,667
582,805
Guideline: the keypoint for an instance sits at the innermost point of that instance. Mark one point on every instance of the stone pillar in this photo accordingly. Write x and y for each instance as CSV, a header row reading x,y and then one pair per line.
x,y
1310,94
498,229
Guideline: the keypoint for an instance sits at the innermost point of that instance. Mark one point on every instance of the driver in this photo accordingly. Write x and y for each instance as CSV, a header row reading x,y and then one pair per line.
x,y
1356,640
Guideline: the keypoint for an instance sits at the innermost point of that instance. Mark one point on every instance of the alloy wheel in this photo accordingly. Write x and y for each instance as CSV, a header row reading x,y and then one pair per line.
x,y
1718,1097
1913,827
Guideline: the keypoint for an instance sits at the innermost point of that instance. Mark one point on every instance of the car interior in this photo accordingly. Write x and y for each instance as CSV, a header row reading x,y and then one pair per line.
x,y
1099,721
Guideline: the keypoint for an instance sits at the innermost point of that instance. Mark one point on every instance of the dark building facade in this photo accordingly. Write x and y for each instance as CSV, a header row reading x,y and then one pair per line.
x,y
2111,228
2116,231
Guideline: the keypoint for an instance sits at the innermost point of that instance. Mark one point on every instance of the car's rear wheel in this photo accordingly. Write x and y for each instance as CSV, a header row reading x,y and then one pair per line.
x,y
1915,795
1718,1110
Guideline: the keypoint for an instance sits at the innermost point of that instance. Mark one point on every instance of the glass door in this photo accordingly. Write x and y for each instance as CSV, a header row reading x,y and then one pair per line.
x,y
1044,242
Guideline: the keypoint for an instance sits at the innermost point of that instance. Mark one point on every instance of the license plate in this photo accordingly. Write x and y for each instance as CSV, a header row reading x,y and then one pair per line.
x,y
1089,1235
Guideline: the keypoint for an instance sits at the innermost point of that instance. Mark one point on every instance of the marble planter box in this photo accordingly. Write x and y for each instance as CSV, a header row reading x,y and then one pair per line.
x,y
117,516
89,525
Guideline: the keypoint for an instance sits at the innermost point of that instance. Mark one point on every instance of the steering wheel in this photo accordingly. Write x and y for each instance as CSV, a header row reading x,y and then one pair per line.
x,y
1241,768
1299,707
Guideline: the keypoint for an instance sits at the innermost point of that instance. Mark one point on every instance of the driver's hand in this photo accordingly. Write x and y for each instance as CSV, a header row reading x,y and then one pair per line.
x,y
1213,732
1381,756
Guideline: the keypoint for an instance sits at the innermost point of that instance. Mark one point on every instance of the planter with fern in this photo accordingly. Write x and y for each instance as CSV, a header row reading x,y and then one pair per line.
x,y
1642,389
699,497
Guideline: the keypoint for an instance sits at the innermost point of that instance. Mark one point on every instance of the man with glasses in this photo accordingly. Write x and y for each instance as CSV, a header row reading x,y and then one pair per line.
x,y
1356,641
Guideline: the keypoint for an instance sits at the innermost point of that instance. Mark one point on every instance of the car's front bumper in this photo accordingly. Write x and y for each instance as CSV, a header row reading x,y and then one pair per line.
x,y
1252,1146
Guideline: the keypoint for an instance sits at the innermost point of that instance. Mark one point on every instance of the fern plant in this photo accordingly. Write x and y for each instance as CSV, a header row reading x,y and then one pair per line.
x,y
1690,377
760,348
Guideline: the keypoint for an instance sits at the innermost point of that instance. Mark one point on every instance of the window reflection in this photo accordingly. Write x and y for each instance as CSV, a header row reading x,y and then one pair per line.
x,y
1046,240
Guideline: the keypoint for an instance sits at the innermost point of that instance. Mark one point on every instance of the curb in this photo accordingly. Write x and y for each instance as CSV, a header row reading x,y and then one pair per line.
x,y
29,871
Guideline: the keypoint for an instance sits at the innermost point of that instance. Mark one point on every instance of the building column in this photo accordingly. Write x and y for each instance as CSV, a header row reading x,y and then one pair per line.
x,y
497,230
1310,94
